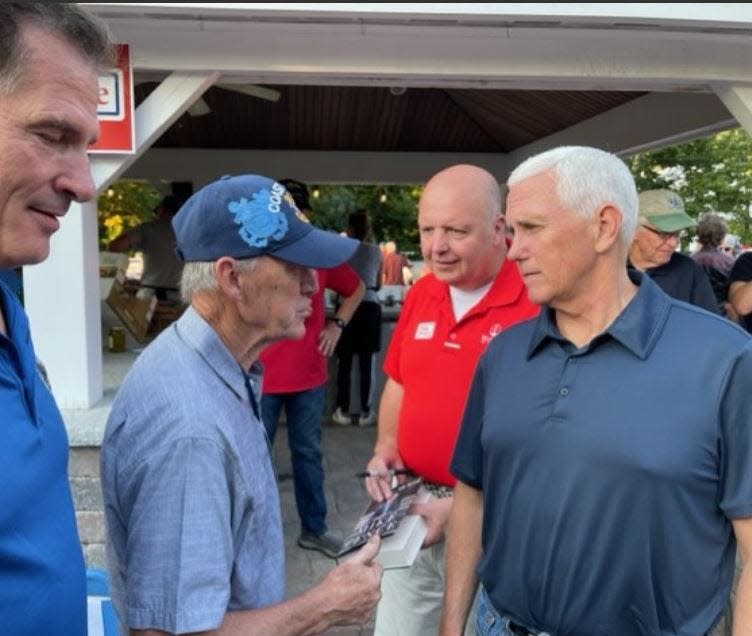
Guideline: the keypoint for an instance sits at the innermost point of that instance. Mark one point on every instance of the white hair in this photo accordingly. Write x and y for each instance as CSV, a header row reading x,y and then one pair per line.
x,y
200,277
586,178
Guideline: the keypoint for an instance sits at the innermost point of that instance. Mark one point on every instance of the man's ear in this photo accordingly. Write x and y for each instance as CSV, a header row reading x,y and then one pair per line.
x,y
227,277
500,226
609,225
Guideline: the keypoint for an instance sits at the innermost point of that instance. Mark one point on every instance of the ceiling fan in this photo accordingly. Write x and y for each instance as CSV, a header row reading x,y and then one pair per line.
x,y
200,107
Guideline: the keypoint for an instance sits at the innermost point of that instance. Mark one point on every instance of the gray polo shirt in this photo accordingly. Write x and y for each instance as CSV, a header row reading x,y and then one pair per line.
x,y
191,501
610,473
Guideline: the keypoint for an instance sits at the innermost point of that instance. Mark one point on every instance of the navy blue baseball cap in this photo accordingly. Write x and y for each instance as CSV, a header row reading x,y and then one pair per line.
x,y
249,215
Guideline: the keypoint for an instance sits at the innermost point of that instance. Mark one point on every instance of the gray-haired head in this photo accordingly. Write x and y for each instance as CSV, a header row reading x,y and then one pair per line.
x,y
83,31
200,277
586,178
731,244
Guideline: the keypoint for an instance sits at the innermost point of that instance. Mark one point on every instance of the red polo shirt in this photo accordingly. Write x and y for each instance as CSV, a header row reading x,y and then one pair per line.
x,y
433,357
297,365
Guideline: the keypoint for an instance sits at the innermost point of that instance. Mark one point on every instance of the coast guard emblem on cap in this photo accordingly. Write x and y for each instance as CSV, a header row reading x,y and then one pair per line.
x,y
261,218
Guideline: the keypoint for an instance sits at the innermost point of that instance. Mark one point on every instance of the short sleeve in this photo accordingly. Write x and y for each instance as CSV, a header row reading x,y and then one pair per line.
x,y
742,269
467,462
736,439
393,356
179,543
343,280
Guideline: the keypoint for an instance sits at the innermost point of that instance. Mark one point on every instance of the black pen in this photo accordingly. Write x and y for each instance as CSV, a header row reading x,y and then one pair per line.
x,y
390,473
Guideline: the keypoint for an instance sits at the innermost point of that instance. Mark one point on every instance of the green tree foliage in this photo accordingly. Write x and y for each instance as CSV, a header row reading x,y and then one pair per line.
x,y
124,205
393,210
714,173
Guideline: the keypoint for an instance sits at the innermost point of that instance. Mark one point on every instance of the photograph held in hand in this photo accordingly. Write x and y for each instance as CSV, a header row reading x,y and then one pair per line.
x,y
402,533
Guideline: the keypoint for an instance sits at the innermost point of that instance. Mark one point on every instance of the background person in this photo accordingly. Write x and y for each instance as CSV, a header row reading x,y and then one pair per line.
x,y
711,230
472,294
740,289
731,245
193,518
599,450
49,58
156,240
362,334
653,250
394,265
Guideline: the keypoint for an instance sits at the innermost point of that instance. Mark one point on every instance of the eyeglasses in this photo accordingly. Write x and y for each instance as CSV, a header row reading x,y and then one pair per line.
x,y
665,236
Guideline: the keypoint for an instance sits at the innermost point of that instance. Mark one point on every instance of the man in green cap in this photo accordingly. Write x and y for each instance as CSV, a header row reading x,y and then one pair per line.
x,y
653,250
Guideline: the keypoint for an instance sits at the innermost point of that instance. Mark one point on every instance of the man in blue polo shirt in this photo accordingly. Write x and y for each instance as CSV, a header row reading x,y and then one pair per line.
x,y
49,54
606,461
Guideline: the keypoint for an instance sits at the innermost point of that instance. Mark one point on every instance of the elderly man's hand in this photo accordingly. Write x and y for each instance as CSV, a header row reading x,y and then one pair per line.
x,y
354,588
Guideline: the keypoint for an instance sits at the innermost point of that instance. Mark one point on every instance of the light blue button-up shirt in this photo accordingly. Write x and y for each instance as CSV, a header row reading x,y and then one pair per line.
x,y
193,518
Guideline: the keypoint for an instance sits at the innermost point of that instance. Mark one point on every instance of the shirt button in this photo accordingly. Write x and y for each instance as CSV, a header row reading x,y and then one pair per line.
x,y
564,391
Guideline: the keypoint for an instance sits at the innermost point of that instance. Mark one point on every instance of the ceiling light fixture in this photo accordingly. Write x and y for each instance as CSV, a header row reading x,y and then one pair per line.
x,y
397,90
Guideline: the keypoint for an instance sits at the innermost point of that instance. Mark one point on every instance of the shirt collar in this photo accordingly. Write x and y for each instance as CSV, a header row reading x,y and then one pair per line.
x,y
506,288
636,328
202,337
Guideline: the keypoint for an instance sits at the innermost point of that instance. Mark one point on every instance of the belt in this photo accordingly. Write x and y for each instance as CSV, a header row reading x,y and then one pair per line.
x,y
519,630
438,490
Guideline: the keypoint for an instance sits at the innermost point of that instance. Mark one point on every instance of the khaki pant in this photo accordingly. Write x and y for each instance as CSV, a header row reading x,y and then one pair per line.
x,y
411,598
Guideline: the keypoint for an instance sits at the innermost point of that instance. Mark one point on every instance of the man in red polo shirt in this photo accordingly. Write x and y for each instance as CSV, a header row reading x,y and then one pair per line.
x,y
449,316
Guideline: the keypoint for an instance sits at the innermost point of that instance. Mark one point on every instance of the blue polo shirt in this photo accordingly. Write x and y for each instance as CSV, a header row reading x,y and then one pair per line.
x,y
42,574
610,473
193,520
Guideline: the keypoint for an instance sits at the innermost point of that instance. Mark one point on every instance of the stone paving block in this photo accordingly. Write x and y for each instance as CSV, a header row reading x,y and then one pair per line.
x,y
94,555
288,507
87,493
84,462
91,528
298,575
351,499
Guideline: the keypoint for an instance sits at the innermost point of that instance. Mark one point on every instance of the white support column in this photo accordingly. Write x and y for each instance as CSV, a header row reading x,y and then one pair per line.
x,y
62,299
62,294
738,99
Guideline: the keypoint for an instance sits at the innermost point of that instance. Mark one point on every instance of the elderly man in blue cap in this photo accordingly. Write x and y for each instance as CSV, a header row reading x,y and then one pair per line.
x,y
193,518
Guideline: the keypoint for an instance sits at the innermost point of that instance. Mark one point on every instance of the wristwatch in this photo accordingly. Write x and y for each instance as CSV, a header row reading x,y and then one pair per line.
x,y
339,322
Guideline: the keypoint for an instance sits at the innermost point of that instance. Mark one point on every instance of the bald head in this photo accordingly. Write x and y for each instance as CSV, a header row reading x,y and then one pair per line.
x,y
468,183
461,226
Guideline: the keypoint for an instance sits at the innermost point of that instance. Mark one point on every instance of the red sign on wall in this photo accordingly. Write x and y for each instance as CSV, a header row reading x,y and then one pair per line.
x,y
115,107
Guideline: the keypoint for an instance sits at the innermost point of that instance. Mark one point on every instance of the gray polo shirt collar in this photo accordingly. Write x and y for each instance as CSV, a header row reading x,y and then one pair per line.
x,y
637,328
202,338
